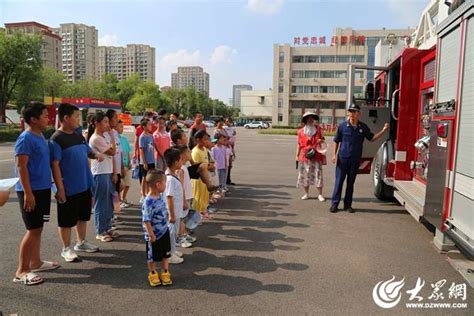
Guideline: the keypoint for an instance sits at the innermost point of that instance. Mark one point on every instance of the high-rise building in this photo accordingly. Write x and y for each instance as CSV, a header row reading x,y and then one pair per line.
x,y
236,93
190,76
124,61
79,51
51,47
314,77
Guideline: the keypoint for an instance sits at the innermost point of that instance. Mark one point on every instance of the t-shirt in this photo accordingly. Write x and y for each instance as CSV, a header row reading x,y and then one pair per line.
x,y
39,167
188,188
199,155
174,188
154,211
230,134
162,141
146,142
101,144
126,149
71,150
220,156
118,150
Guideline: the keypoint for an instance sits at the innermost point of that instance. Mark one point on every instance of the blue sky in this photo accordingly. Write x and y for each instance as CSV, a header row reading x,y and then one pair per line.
x,y
233,40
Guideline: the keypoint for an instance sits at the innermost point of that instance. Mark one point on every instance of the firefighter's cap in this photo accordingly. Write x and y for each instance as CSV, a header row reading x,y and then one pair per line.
x,y
354,107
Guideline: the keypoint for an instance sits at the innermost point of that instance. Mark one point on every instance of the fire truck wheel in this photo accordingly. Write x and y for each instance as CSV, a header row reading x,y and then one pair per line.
x,y
382,191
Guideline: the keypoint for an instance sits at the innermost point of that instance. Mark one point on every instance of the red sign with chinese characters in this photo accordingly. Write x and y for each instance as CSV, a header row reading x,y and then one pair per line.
x,y
335,40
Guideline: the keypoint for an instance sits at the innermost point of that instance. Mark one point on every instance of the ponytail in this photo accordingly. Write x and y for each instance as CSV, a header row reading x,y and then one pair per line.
x,y
97,118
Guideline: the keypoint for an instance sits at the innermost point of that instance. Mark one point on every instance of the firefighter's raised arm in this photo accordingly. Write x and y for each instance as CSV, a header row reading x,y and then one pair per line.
x,y
379,134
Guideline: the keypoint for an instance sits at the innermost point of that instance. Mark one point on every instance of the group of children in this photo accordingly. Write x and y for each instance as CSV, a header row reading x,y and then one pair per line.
x,y
96,174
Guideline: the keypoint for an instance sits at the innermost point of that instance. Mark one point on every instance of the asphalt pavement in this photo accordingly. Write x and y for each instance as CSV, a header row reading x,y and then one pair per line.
x,y
266,252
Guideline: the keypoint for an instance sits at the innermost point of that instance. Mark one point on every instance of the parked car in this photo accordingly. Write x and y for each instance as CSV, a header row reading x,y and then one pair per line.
x,y
256,124
209,124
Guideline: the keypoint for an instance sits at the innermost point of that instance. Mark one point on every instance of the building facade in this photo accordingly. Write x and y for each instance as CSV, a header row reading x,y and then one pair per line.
x,y
124,61
190,76
51,48
236,89
256,104
79,51
314,77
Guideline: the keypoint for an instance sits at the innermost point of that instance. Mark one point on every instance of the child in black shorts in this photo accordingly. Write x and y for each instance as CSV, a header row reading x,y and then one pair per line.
x,y
70,155
155,225
34,192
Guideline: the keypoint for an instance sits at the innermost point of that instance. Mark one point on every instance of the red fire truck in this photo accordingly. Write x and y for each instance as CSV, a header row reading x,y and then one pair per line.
x,y
427,94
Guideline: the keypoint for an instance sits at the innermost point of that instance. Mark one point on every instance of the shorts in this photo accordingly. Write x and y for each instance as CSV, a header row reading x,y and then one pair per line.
x,y
194,171
36,218
160,249
78,207
143,172
127,178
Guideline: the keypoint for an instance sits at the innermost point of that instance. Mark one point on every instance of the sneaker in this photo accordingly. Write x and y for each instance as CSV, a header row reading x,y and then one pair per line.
x,y
154,279
189,238
69,255
113,233
178,253
174,259
212,210
321,198
85,246
104,237
183,243
305,197
166,278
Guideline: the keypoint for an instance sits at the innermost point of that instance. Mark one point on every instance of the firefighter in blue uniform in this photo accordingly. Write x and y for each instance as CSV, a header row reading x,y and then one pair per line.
x,y
347,151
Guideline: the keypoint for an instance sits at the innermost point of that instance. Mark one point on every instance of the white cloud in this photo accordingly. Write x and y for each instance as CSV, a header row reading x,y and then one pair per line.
x,y
180,58
222,54
267,7
108,40
408,11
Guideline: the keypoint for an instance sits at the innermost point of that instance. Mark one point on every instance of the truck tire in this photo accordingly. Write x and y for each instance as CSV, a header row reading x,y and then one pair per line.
x,y
382,191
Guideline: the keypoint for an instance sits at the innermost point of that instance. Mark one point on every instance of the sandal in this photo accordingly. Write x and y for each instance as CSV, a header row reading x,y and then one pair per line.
x,y
46,266
206,215
104,237
30,278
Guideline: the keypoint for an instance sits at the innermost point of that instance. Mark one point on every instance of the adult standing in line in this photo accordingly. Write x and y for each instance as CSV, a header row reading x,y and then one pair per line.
x,y
197,125
310,161
231,134
348,143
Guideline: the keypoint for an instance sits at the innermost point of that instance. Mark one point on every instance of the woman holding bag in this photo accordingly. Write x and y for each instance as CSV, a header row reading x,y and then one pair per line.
x,y
308,160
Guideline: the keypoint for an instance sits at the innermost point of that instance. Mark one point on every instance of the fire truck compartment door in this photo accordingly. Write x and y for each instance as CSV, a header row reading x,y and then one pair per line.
x,y
436,179
375,118
462,208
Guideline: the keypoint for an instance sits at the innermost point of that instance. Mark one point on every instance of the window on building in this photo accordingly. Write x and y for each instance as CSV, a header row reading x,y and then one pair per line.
x,y
282,57
326,89
327,74
357,58
311,74
325,105
343,59
340,119
280,88
340,105
359,74
340,89
280,102
298,59
297,89
312,59
340,74
297,74
357,89
310,89
325,119
281,73
280,117
328,59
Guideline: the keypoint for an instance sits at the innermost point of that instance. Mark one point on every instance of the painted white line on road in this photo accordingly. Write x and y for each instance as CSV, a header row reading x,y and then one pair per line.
x,y
5,160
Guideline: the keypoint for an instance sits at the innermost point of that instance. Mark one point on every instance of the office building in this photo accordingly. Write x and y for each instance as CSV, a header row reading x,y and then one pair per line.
x,y
190,76
236,89
312,74
79,51
51,47
256,104
125,61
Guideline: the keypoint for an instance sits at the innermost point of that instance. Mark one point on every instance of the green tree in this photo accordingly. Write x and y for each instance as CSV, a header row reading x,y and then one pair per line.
x,y
127,88
146,96
20,65
108,87
52,82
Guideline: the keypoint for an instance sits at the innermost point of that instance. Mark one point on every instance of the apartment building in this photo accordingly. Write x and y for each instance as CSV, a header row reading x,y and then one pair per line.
x,y
190,76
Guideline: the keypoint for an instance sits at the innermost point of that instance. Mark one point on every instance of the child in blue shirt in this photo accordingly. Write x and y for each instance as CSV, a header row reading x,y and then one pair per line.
x,y
34,192
147,154
155,225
